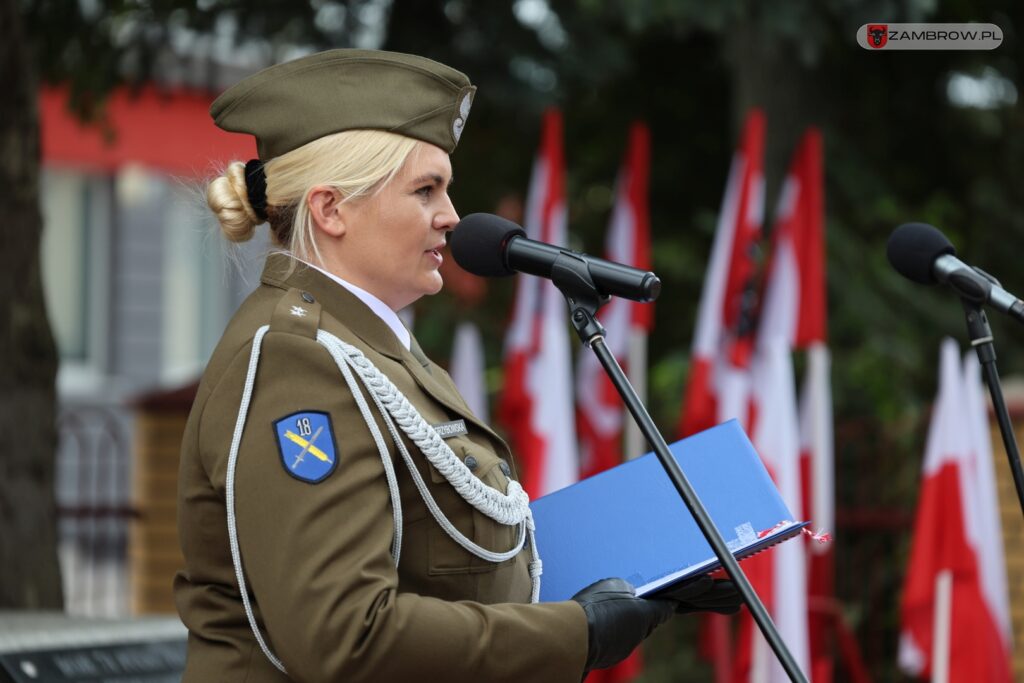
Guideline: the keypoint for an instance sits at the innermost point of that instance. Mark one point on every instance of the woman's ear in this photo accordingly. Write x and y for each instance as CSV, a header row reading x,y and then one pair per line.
x,y
325,204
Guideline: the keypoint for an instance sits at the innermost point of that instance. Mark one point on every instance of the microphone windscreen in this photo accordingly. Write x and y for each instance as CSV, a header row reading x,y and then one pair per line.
x,y
913,248
478,244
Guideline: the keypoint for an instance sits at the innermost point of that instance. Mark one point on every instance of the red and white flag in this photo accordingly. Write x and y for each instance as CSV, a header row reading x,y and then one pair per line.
x,y
989,530
718,384
818,503
779,575
794,310
949,631
468,366
599,410
600,414
536,403
794,299
792,316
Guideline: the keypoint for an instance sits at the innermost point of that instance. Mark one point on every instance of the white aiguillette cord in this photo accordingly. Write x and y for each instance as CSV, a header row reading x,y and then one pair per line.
x,y
510,508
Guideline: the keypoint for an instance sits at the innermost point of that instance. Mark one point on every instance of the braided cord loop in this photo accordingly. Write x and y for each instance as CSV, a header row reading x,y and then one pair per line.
x,y
509,508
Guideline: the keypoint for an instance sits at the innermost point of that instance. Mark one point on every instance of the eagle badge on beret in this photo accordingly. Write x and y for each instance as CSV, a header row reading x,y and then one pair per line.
x,y
306,443
460,121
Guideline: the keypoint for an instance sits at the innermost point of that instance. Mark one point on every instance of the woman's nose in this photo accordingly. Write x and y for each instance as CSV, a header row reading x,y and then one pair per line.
x,y
448,217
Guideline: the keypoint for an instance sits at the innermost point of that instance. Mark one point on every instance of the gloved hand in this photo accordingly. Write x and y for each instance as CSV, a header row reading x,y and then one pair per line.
x,y
703,594
617,620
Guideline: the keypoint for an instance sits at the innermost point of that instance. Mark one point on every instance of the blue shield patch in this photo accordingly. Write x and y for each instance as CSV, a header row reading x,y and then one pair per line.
x,y
306,443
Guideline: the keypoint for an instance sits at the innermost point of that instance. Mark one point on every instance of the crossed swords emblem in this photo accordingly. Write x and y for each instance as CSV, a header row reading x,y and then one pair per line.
x,y
307,446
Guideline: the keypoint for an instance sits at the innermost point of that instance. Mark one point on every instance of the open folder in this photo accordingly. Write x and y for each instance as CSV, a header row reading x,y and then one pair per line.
x,y
630,522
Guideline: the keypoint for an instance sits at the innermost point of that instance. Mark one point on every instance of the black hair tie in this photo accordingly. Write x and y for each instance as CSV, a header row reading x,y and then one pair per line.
x,y
256,187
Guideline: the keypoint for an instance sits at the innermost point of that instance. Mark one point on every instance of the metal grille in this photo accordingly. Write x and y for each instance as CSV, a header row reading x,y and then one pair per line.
x,y
93,508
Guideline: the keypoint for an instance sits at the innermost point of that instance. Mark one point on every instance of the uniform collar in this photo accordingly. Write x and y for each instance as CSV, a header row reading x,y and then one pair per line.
x,y
382,310
285,271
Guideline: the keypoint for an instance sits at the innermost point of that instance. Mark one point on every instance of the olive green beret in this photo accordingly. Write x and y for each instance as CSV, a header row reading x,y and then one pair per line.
x,y
297,102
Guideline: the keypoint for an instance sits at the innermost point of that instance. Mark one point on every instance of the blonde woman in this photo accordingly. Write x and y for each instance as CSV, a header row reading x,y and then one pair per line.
x,y
343,514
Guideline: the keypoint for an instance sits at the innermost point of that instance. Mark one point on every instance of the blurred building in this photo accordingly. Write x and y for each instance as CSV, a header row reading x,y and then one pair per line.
x,y
138,288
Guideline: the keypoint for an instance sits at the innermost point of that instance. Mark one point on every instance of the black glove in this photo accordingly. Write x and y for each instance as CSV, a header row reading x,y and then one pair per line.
x,y
617,620
703,594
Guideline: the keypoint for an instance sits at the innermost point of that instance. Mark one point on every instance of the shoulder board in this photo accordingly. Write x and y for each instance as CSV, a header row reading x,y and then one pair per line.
x,y
298,312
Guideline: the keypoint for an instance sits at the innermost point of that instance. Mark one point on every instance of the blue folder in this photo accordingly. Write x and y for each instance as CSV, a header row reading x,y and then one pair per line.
x,y
630,522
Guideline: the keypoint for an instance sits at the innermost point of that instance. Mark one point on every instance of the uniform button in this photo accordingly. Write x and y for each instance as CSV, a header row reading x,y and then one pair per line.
x,y
308,298
505,468
471,462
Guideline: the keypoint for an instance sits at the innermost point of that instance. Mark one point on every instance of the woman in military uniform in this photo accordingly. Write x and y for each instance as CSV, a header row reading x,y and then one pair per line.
x,y
344,516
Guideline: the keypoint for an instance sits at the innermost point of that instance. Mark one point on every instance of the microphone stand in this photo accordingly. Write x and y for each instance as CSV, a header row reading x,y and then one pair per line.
x,y
572,277
981,339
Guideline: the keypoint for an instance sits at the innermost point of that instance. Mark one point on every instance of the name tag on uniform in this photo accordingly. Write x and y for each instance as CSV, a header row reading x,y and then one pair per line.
x,y
447,430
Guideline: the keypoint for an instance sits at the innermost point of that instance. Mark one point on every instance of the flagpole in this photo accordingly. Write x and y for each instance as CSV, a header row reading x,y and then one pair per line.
x,y
572,277
942,626
637,366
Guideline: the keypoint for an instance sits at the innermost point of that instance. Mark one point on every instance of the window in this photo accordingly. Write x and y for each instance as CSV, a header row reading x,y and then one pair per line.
x,y
76,210
204,280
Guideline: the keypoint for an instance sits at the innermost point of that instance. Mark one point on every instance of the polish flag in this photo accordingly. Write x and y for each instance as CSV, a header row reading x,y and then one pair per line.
x,y
468,367
818,503
792,316
989,537
949,631
599,410
794,309
600,414
536,403
718,385
794,302
780,574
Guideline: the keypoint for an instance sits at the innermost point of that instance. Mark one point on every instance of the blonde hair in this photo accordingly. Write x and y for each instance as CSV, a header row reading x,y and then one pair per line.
x,y
355,162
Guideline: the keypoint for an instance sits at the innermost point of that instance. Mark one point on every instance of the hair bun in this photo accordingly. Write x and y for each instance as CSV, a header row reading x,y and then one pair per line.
x,y
228,198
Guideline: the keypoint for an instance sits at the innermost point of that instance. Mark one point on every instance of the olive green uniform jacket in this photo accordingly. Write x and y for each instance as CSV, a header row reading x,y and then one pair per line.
x,y
317,561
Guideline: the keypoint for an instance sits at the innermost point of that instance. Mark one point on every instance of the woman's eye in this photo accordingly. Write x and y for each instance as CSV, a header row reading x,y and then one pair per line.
x,y
425,191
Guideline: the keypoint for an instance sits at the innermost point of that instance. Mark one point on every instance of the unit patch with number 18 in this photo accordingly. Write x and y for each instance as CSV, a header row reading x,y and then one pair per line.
x,y
306,443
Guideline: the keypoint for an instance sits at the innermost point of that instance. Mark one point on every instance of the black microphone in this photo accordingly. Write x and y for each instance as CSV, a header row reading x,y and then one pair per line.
x,y
922,253
488,245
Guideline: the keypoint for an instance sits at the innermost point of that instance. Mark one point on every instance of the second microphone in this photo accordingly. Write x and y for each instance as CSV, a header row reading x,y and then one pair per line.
x,y
490,246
